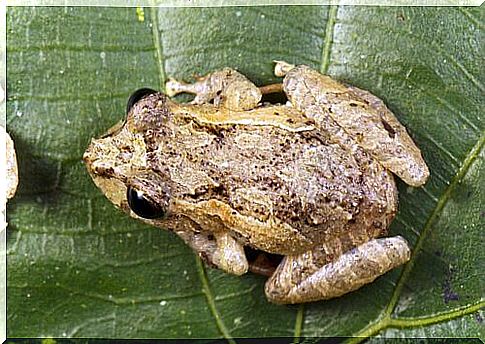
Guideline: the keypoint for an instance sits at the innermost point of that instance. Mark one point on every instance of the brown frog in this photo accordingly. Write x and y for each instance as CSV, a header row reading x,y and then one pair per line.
x,y
310,180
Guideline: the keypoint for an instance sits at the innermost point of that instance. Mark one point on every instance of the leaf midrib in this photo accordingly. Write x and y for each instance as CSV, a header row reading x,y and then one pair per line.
x,y
157,42
328,38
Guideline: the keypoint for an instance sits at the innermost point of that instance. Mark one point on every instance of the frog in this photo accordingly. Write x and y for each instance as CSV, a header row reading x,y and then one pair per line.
x,y
10,172
309,180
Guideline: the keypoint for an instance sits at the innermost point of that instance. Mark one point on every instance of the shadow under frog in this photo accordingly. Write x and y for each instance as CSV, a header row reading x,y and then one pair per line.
x,y
309,180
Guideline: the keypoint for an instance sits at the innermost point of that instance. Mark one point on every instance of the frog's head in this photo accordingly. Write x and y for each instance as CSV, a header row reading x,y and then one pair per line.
x,y
119,161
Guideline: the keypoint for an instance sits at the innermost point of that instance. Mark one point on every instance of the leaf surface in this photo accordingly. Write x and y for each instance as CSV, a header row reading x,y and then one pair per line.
x,y
78,267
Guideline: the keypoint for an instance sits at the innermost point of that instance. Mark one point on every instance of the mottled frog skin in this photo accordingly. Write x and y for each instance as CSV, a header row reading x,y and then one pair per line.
x,y
310,180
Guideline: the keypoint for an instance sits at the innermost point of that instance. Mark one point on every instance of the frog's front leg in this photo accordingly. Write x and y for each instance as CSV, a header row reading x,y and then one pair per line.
x,y
230,255
313,276
216,249
227,88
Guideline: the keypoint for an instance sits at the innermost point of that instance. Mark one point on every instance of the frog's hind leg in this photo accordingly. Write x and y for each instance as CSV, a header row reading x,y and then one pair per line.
x,y
271,88
351,115
327,272
224,88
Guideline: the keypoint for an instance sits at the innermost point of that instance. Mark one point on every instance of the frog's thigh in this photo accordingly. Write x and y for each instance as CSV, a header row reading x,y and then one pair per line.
x,y
374,101
348,272
226,87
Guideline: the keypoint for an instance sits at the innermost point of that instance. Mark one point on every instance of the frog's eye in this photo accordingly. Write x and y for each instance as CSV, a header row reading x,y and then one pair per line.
x,y
136,96
142,205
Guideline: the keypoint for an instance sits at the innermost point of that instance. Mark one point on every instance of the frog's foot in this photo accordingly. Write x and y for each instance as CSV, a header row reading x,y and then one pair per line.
x,y
282,68
413,170
174,87
224,88
230,255
215,249
307,277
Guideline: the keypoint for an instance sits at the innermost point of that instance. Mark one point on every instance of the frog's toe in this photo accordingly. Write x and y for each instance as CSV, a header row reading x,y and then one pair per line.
x,y
230,255
173,87
282,68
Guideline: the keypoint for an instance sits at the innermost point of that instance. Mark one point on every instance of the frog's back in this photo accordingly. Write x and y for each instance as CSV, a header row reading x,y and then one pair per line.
x,y
269,174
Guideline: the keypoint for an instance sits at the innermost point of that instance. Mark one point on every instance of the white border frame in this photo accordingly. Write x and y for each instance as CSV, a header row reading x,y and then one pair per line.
x,y
147,3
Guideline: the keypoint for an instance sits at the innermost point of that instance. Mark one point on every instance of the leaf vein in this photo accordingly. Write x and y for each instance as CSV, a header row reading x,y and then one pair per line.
x,y
12,248
407,225
89,97
90,214
76,329
158,47
139,262
299,323
429,194
455,160
128,300
327,46
81,48
430,44
222,46
436,318
442,102
236,294
305,29
211,301
414,322
471,17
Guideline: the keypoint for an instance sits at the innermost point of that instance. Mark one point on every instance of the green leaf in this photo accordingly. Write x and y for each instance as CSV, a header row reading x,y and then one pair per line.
x,y
79,267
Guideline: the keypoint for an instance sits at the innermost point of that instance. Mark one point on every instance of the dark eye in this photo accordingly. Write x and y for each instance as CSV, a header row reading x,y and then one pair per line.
x,y
136,96
142,205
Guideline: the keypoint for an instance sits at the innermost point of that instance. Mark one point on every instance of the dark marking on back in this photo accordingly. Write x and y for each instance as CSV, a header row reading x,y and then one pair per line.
x,y
389,129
